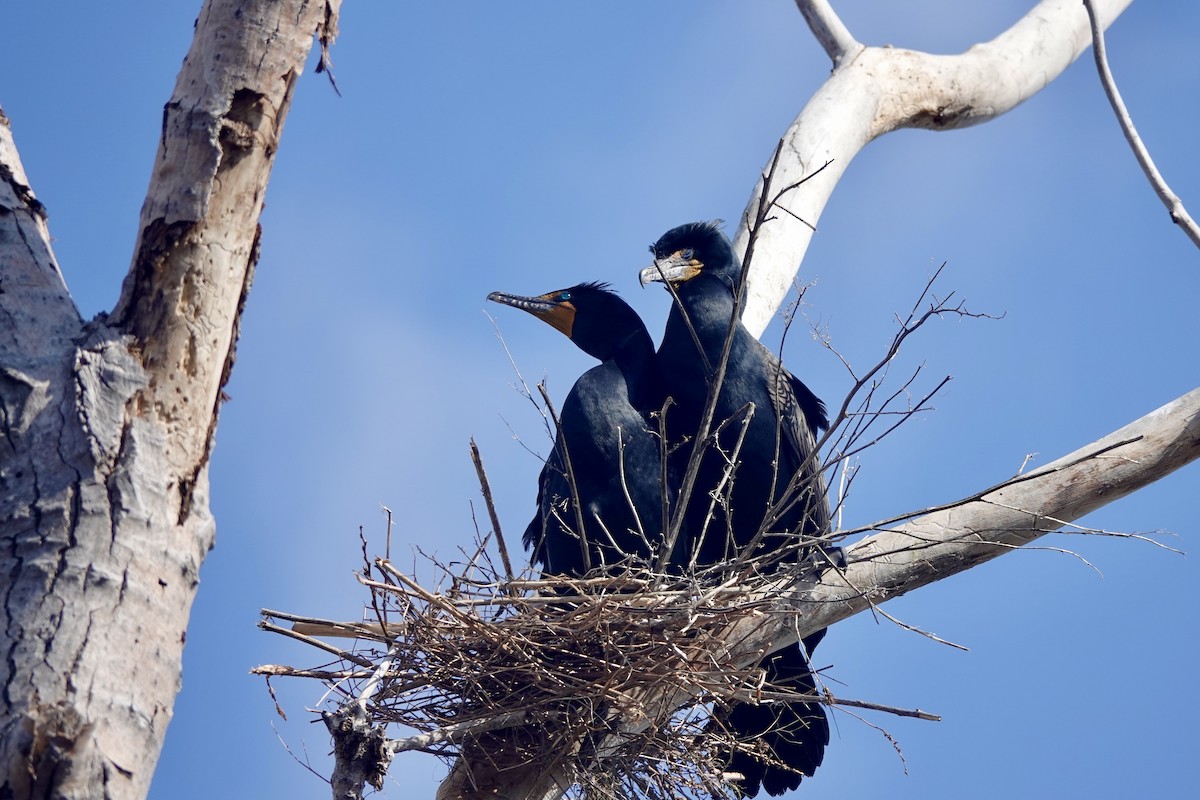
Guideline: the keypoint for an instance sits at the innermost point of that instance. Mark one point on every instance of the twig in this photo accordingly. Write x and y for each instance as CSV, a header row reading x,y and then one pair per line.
x,y
486,488
1175,207
664,453
561,439
302,762
829,29
746,414
717,379
456,733
317,643
387,547
282,671
914,629
765,695
523,391
379,615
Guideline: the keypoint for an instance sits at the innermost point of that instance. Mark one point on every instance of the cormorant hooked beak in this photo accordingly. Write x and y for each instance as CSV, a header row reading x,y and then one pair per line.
x,y
553,308
679,267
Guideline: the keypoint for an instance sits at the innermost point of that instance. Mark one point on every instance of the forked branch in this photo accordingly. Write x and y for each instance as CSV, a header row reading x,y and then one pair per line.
x,y
875,90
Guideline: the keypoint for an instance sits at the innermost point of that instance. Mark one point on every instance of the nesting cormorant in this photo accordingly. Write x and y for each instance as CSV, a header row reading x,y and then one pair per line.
x,y
604,435
697,260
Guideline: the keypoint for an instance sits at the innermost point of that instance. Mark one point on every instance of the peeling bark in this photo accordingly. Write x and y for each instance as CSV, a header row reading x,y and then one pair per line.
x,y
108,425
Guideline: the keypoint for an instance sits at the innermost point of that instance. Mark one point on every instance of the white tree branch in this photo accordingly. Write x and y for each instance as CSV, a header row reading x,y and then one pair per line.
x,y
1015,513
37,315
876,90
1179,213
892,562
827,26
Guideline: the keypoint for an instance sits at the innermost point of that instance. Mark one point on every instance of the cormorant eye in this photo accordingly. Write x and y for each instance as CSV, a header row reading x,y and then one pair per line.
x,y
564,297
688,254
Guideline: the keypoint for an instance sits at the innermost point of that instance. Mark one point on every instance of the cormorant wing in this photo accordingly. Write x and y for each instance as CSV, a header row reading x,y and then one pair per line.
x,y
801,416
534,537
791,392
554,492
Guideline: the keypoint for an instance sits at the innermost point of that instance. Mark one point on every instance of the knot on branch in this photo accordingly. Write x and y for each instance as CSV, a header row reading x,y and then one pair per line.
x,y
241,125
360,750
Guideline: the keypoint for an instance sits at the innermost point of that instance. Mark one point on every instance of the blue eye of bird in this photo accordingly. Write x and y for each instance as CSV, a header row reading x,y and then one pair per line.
x,y
564,296
687,255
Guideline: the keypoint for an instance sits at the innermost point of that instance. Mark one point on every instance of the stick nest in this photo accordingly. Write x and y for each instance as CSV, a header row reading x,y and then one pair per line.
x,y
564,675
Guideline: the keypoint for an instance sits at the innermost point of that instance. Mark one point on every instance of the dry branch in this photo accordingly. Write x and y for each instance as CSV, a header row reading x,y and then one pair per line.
x,y
899,559
1175,207
958,536
602,682
875,90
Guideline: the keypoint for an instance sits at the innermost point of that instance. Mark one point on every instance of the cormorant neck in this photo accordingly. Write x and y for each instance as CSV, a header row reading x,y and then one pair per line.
x,y
634,350
634,357
706,302
712,290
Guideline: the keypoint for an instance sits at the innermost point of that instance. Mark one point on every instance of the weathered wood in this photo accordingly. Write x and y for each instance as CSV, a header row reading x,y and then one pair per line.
x,y
107,425
897,560
875,90
906,556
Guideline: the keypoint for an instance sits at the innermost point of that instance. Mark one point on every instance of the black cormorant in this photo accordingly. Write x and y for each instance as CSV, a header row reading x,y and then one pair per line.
x,y
697,261
603,433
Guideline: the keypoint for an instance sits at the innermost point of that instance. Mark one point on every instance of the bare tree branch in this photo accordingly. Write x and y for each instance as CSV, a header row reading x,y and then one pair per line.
x,y
875,90
31,277
896,561
1179,213
199,223
829,29
569,687
1013,514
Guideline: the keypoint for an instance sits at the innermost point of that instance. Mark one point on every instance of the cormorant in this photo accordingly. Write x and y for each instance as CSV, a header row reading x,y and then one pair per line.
x,y
603,433
698,262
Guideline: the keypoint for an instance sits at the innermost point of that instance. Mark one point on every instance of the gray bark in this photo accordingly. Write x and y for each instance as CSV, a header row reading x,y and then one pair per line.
x,y
108,425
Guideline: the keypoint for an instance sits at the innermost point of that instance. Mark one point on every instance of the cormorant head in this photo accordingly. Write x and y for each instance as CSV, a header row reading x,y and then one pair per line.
x,y
591,315
691,250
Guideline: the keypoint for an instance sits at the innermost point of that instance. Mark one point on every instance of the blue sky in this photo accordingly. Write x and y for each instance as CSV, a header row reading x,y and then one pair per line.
x,y
527,147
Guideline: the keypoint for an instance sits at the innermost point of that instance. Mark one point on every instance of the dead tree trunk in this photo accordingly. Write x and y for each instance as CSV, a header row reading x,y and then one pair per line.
x,y
108,424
